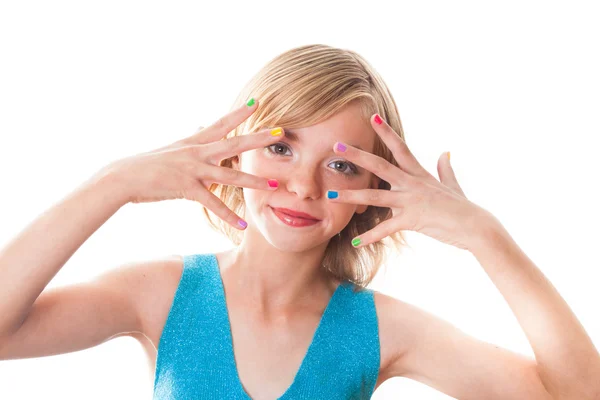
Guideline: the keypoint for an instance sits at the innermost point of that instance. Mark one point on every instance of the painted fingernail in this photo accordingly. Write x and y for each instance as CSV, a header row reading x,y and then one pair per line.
x,y
273,183
250,102
332,194
378,119
355,242
276,132
242,223
340,147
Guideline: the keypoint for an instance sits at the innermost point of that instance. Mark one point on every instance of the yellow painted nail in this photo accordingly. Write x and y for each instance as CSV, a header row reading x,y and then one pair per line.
x,y
276,132
448,155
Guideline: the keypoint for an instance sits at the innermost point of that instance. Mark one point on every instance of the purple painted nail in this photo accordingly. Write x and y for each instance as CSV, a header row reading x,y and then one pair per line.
x,y
242,223
340,147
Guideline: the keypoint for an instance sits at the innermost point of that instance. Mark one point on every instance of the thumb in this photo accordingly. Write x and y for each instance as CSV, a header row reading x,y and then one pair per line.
x,y
446,173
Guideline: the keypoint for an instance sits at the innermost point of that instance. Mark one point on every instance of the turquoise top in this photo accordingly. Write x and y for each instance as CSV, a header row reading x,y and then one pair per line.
x,y
195,357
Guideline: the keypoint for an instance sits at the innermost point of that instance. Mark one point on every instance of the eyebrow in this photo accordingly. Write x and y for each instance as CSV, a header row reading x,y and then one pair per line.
x,y
295,137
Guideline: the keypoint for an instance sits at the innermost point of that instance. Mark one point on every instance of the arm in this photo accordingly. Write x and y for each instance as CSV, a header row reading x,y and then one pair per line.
x,y
67,318
35,256
436,353
567,361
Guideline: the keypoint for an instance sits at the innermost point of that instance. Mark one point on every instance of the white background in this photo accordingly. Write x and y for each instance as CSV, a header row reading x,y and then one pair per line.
x,y
510,88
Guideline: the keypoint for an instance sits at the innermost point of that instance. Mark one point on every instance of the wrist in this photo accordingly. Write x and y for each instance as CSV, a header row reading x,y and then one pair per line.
x,y
113,183
488,233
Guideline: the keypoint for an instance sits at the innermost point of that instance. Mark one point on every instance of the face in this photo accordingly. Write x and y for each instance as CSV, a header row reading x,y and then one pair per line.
x,y
305,170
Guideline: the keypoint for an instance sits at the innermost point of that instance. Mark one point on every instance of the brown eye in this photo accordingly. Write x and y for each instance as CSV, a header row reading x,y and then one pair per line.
x,y
279,146
349,170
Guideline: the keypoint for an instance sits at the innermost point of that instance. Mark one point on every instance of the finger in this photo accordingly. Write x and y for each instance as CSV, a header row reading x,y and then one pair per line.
x,y
234,177
381,231
377,165
446,173
404,157
373,197
213,203
233,146
223,125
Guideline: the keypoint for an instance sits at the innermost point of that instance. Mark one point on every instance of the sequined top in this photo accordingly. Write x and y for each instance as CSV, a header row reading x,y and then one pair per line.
x,y
195,357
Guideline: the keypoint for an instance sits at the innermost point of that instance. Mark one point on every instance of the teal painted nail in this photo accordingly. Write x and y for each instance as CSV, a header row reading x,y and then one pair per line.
x,y
355,242
332,194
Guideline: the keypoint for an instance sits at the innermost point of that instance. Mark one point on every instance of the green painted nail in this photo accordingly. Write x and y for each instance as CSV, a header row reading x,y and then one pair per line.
x,y
355,242
250,102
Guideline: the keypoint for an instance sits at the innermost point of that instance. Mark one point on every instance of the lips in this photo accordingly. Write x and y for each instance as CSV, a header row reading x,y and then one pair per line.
x,y
294,213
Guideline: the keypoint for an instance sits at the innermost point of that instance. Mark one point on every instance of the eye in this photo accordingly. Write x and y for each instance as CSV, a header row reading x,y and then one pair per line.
x,y
350,168
279,145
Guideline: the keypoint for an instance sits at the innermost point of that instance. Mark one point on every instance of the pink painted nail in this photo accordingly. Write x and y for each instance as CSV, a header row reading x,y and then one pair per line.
x,y
273,183
378,119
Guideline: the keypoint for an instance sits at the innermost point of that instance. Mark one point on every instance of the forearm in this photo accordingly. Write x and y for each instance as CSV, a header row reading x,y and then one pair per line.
x,y
568,362
33,257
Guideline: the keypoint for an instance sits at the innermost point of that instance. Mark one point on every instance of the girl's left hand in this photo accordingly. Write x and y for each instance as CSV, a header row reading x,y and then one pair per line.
x,y
419,202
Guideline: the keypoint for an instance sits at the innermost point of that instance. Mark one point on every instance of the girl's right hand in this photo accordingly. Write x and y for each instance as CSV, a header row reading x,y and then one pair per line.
x,y
187,168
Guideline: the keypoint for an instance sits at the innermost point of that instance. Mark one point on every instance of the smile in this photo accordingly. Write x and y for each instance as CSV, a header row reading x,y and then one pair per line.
x,y
296,222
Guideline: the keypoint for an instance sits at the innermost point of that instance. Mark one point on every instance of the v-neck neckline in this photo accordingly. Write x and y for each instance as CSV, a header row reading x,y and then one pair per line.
x,y
308,353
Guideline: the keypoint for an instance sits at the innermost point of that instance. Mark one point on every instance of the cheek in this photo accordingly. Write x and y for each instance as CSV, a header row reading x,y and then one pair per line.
x,y
341,215
251,163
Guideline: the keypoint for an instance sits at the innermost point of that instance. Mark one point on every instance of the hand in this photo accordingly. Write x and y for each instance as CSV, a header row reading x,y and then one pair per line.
x,y
187,168
419,202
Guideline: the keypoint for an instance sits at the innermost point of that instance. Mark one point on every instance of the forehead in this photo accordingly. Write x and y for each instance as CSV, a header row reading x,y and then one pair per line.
x,y
348,126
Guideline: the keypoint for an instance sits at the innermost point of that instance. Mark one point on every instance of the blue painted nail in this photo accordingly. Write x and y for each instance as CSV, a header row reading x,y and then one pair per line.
x,y
332,194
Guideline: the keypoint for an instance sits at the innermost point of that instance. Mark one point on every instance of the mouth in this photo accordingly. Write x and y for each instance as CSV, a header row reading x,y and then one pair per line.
x,y
285,216
295,214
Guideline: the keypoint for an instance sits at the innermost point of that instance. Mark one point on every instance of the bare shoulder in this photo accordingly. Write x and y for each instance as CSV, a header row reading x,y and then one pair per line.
x,y
421,346
396,331
158,281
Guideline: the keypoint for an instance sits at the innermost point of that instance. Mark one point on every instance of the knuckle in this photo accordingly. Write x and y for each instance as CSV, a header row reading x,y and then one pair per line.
x,y
236,144
397,148
375,196
222,211
380,164
213,203
195,151
227,174
419,184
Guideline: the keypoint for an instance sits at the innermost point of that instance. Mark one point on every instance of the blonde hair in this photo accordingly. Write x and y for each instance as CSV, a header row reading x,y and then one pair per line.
x,y
302,87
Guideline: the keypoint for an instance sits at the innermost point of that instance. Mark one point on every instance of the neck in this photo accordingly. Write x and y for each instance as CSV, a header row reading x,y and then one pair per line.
x,y
272,281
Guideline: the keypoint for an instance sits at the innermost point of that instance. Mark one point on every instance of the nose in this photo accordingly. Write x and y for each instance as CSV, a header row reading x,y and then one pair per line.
x,y
305,183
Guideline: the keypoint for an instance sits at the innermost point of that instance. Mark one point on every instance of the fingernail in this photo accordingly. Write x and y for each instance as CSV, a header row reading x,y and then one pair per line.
x,y
448,156
250,102
355,242
273,183
340,146
276,132
332,194
242,223
378,119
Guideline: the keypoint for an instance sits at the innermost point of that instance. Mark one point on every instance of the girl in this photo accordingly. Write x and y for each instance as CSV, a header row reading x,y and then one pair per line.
x,y
312,182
